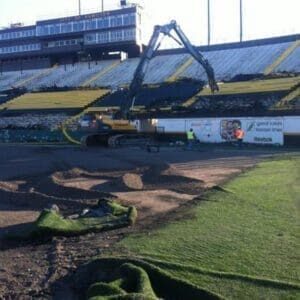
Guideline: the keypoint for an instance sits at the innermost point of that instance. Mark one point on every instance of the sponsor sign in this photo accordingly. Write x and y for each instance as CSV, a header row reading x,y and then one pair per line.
x,y
216,130
264,131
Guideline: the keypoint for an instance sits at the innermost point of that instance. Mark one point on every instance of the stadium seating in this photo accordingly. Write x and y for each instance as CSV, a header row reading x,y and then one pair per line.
x,y
247,96
68,75
119,76
228,62
13,79
291,63
7,95
255,86
231,62
33,121
252,103
78,99
163,66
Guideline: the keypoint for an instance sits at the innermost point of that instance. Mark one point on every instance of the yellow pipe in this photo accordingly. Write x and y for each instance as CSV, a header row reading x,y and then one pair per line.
x,y
69,138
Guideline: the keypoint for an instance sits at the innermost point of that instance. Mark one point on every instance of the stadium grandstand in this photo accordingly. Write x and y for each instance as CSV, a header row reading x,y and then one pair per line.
x,y
77,66
67,40
256,58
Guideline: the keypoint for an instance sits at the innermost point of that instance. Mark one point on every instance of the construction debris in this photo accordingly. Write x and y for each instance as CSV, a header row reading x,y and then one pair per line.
x,y
106,215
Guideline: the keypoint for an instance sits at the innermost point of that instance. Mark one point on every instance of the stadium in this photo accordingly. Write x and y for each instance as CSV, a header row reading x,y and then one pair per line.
x,y
103,192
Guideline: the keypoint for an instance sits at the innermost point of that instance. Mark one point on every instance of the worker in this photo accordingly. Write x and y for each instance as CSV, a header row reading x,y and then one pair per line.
x,y
239,135
190,139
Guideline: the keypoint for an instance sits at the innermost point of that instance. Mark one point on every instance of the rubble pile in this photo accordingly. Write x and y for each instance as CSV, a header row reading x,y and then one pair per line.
x,y
256,102
166,94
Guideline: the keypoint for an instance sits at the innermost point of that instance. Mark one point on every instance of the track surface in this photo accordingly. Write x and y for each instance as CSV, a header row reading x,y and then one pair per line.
x,y
34,177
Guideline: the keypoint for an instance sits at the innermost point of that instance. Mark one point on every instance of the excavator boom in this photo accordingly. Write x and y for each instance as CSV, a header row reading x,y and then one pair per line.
x,y
149,52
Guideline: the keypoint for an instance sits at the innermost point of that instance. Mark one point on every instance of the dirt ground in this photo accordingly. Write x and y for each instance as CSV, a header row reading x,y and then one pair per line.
x,y
35,177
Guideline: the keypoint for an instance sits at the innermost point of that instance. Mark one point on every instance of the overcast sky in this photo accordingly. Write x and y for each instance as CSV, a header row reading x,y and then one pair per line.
x,y
262,18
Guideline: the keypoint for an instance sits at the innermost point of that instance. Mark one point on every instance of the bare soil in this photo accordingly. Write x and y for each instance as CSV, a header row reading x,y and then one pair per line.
x,y
35,177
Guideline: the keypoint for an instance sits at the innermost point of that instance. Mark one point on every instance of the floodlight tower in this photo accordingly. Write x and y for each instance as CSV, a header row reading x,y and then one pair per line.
x,y
241,20
102,5
79,7
208,22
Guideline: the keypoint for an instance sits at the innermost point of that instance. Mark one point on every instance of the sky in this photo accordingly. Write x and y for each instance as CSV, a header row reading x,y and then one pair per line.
x,y
262,18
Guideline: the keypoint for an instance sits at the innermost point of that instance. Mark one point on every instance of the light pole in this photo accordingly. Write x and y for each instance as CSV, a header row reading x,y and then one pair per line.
x,y
241,20
102,5
79,7
208,22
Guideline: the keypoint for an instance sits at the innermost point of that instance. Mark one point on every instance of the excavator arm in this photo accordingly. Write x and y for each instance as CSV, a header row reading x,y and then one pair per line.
x,y
198,57
149,52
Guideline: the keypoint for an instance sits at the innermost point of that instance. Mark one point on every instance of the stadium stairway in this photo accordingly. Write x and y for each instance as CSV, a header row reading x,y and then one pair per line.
x,y
91,81
180,70
162,67
118,76
291,64
271,68
8,80
36,76
68,75
286,102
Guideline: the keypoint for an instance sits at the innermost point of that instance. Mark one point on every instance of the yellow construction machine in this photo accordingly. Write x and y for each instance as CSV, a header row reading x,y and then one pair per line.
x,y
117,128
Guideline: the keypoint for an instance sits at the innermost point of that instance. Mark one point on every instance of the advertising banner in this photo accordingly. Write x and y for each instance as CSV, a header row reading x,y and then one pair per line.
x,y
268,130
264,131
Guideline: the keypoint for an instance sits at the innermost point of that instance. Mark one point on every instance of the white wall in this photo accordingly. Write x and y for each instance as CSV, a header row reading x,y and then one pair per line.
x,y
258,130
291,125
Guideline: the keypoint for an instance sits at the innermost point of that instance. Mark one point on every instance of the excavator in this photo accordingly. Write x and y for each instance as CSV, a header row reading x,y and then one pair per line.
x,y
119,130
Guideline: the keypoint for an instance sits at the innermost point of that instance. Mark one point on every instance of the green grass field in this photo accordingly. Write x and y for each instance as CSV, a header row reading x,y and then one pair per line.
x,y
241,244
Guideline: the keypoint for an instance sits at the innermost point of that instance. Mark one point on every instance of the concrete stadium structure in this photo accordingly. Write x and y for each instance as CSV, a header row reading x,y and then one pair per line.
x,y
71,39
